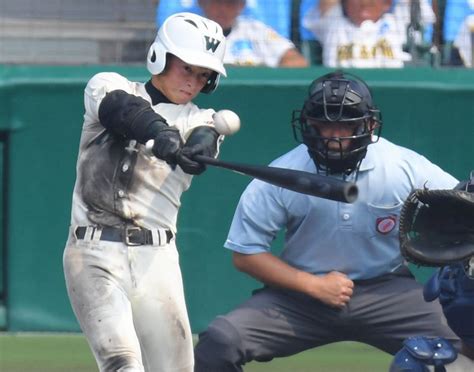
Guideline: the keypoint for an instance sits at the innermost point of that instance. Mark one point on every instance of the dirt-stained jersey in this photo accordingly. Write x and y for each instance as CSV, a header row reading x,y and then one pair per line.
x,y
118,181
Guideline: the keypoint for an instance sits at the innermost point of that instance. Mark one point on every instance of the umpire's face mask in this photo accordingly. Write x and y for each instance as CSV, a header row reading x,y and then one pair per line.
x,y
338,147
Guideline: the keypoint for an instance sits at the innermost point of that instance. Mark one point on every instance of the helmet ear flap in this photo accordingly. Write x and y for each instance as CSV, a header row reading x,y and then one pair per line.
x,y
156,58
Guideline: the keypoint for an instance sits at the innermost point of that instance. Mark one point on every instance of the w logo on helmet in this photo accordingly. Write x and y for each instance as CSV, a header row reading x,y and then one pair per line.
x,y
211,43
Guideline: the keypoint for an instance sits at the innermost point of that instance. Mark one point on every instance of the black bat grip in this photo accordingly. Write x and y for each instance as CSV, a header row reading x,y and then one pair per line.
x,y
295,180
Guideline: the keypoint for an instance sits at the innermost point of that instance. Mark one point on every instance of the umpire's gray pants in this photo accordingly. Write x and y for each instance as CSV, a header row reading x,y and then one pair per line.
x,y
278,323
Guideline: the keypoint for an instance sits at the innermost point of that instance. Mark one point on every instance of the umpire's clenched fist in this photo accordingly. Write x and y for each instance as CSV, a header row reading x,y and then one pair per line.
x,y
334,289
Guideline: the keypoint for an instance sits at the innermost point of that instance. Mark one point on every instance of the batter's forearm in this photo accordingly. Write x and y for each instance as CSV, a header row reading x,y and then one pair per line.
x,y
130,116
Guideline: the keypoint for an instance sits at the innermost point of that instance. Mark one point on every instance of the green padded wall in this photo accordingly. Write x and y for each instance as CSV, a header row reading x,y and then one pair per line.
x,y
428,110
3,252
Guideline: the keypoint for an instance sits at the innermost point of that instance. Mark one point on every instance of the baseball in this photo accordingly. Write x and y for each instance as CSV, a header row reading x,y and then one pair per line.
x,y
226,122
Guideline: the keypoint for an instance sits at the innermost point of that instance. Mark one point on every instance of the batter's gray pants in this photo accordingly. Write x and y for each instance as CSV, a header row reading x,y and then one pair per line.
x,y
278,323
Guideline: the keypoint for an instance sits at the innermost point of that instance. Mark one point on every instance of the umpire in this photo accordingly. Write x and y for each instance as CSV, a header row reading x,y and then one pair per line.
x,y
341,276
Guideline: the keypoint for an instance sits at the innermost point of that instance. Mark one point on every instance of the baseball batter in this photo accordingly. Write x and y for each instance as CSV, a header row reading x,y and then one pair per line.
x,y
121,263
340,275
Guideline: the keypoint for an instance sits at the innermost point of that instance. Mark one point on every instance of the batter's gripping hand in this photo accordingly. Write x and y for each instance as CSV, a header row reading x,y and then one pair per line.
x,y
186,162
201,141
168,145
437,227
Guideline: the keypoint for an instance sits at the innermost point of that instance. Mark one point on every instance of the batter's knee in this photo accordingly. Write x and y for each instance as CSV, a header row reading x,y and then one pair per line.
x,y
122,363
219,348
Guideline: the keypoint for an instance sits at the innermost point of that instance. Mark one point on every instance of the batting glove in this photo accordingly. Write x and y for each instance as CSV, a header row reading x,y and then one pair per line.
x,y
168,145
186,162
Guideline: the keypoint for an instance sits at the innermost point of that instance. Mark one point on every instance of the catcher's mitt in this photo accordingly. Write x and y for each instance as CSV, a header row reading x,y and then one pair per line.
x,y
437,227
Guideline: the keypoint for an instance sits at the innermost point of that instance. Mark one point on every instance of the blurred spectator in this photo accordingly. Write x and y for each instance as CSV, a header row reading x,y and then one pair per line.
x,y
368,33
455,14
415,11
402,9
464,40
359,33
417,18
309,45
249,41
274,13
458,31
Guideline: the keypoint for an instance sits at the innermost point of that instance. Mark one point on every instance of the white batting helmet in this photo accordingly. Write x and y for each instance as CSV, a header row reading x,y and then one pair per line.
x,y
196,40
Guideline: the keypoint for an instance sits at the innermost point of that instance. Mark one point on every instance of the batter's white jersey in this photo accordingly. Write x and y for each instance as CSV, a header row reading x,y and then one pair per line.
x,y
128,297
253,43
117,181
372,44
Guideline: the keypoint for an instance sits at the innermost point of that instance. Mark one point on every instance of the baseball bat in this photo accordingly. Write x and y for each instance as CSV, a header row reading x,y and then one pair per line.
x,y
295,180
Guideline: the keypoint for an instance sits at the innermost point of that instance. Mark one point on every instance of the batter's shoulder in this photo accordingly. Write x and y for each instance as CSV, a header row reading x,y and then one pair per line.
x,y
111,77
110,81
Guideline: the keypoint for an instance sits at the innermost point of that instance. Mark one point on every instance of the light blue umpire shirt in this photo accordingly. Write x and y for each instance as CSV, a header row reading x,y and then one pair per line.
x,y
359,239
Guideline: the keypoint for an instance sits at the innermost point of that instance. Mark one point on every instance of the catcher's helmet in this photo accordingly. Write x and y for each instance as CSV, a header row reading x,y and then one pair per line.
x,y
196,40
338,97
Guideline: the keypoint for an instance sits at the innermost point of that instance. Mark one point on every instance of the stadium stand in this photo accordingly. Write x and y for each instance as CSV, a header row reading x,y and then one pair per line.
x,y
457,14
275,13
120,31
76,32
